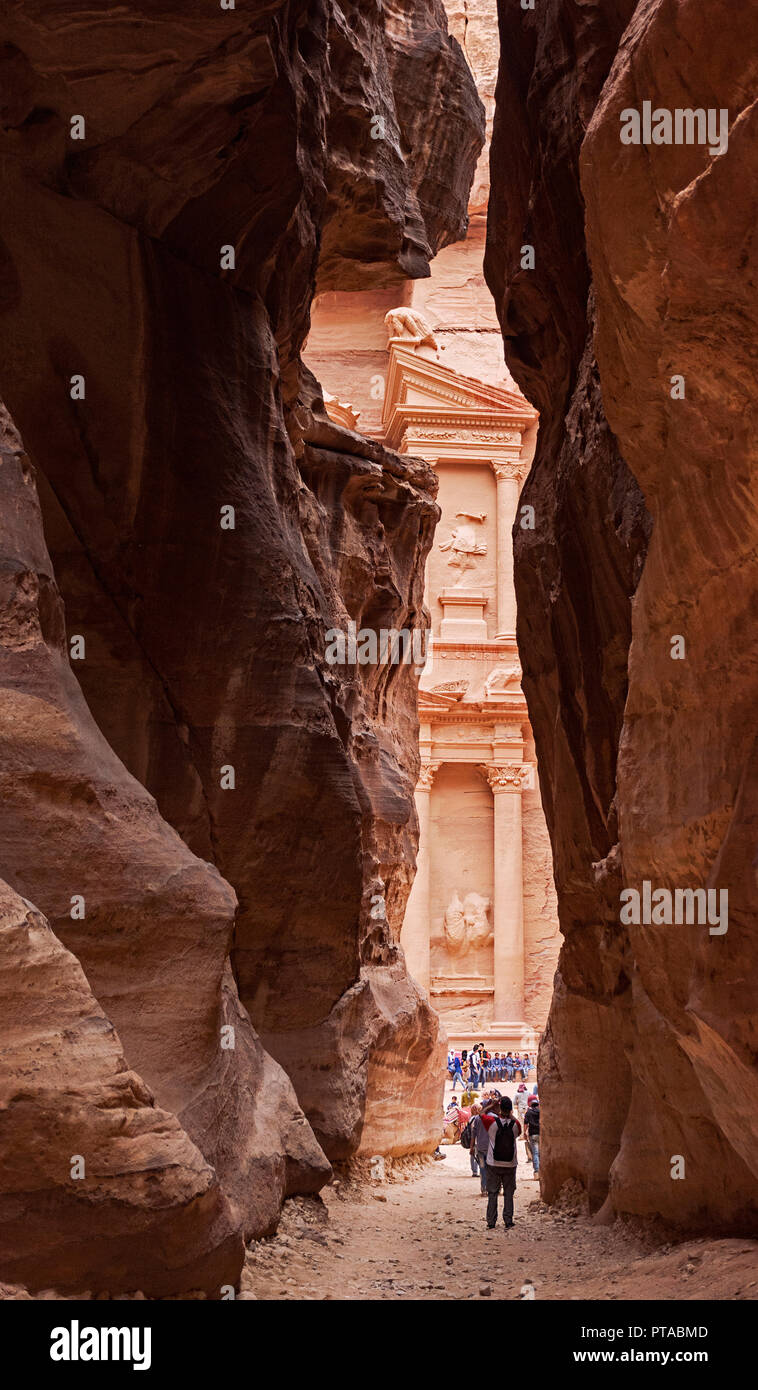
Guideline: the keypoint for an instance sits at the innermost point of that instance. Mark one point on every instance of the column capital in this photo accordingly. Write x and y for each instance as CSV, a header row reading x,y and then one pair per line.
x,y
426,776
513,469
507,777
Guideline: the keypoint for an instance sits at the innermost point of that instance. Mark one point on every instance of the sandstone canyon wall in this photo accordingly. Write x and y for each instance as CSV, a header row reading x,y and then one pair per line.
x,y
279,900
646,520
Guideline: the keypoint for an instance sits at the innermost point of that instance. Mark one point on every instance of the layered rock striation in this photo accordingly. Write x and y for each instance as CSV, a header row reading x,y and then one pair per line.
x,y
645,533
235,811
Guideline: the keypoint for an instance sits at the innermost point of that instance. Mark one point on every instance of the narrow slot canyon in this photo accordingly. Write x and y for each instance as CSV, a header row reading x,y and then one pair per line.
x,y
378,650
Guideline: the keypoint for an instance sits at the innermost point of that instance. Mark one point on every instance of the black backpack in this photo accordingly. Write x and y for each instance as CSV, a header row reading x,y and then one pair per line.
x,y
505,1142
533,1120
466,1135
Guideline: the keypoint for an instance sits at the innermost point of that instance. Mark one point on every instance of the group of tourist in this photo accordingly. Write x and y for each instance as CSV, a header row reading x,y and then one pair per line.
x,y
477,1066
491,1134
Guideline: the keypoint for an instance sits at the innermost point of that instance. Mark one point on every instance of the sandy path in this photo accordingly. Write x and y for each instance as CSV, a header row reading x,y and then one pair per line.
x,y
423,1235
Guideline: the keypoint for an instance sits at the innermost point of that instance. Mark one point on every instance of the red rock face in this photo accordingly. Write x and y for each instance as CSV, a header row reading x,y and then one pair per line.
x,y
85,1149
150,923
205,647
647,764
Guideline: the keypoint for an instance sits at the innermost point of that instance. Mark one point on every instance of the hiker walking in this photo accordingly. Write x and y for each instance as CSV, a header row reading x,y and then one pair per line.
x,y
532,1131
502,1160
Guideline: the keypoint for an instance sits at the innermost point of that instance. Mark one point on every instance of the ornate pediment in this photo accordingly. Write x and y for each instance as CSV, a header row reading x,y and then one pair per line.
x,y
427,400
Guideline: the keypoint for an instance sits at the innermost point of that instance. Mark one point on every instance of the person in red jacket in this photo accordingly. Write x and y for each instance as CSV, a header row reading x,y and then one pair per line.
x,y
502,1159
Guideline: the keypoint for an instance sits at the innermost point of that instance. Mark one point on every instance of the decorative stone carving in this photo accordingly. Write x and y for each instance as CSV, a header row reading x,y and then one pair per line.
x,y
465,544
511,777
426,776
464,432
409,324
504,679
342,412
513,469
457,688
466,923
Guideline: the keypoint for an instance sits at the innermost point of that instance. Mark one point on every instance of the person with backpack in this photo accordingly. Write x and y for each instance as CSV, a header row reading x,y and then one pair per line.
x,y
458,1073
532,1128
502,1160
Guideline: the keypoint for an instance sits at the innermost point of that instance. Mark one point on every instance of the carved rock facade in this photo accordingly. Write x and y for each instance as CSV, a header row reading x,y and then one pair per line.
x,y
439,388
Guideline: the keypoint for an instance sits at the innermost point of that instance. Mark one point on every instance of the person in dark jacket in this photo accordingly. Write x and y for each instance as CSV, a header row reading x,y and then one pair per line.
x,y
532,1131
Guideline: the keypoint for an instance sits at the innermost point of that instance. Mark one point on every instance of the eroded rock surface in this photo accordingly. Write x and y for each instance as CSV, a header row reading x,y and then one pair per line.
x,y
100,1188
206,131
150,923
648,767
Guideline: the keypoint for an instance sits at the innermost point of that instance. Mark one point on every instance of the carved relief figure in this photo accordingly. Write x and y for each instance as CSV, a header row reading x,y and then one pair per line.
x,y
409,323
465,543
504,678
466,923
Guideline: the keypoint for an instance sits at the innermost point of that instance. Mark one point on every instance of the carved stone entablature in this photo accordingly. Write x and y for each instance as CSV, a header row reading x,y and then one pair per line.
x,y
426,776
463,433
469,732
513,777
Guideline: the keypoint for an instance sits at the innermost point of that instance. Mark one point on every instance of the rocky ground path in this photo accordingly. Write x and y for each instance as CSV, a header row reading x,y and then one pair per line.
x,y
421,1234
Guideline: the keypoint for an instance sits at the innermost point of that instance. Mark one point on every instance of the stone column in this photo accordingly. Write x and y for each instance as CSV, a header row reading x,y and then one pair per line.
x,y
508,477
414,937
508,909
